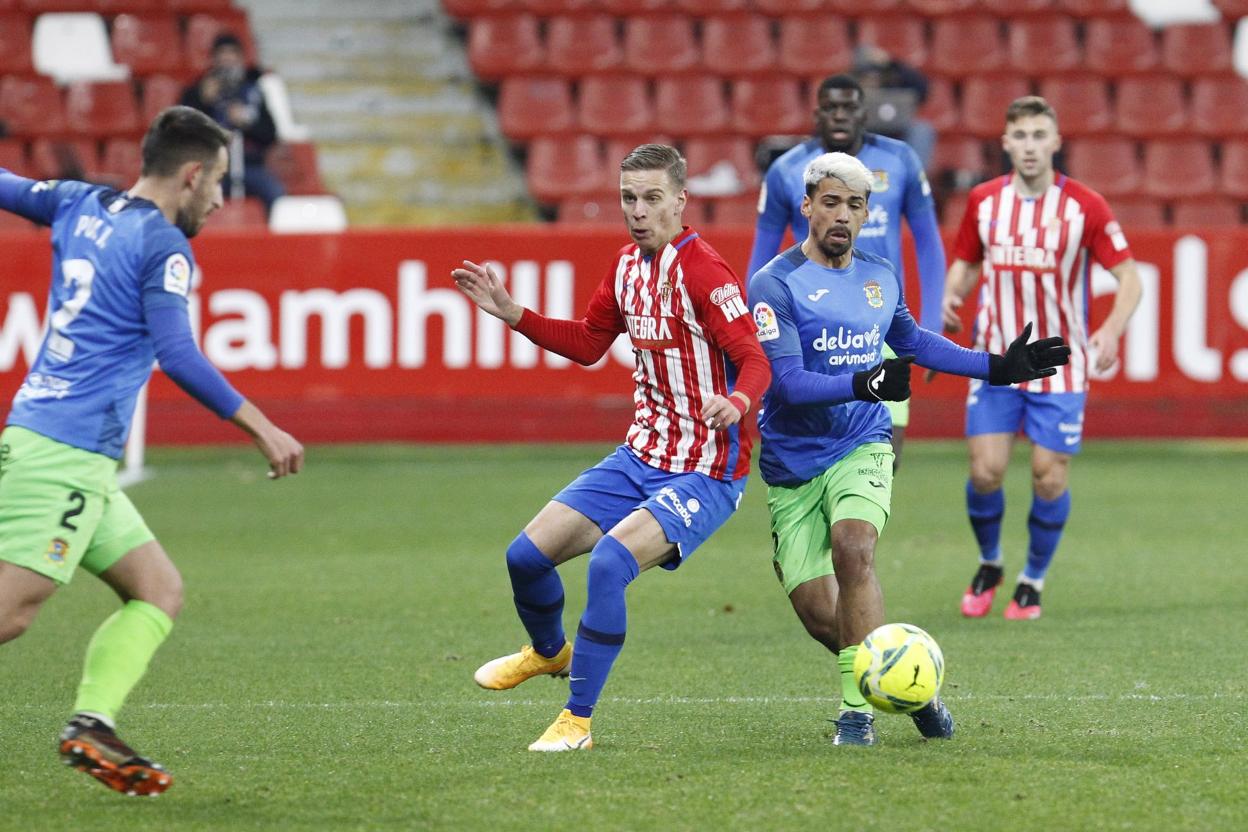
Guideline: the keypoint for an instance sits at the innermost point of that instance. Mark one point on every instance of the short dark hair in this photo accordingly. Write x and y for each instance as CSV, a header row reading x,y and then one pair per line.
x,y
839,82
179,135
226,39
657,157
1029,105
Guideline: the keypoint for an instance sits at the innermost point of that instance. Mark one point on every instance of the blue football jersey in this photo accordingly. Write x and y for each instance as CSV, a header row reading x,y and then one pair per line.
x,y
836,321
113,257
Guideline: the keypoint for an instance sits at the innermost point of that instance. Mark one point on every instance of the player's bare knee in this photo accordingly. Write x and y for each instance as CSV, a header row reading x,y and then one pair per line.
x,y
986,478
1049,481
163,591
853,551
16,621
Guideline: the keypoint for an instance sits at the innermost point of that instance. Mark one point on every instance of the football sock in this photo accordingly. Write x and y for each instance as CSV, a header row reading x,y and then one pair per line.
x,y
986,511
1046,521
538,594
600,637
117,657
851,697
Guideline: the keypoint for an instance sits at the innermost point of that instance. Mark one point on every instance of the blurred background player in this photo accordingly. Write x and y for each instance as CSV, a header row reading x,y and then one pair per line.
x,y
900,188
825,453
230,92
121,273
894,91
680,473
1032,234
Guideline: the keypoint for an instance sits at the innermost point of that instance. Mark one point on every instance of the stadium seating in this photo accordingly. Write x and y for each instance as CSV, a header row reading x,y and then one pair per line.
x,y
294,163
1082,103
32,106
1095,8
1151,105
1138,212
767,106
965,45
959,159
1196,49
1048,42
941,107
235,214
814,46
600,209
897,35
534,106
953,207
1119,46
660,45
203,27
464,9
120,162
565,166
159,92
940,8
738,45
107,108
739,210
1019,8
1219,105
617,147
578,45
703,154
1176,168
984,100
15,35
690,105
1207,211
608,104
1234,170
504,45
13,155
73,47
147,43
1107,164
64,158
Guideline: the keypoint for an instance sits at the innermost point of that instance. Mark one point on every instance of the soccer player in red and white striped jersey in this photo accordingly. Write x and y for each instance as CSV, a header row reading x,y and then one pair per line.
x,y
1033,234
680,473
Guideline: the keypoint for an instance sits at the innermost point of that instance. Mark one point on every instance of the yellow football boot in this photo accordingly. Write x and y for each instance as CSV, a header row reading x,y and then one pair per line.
x,y
567,733
507,672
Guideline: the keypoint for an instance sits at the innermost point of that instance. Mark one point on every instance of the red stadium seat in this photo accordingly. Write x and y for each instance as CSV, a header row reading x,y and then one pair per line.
x,y
1138,212
472,9
120,163
769,106
1095,8
106,108
703,154
13,157
185,7
529,107
202,29
781,8
903,36
504,45
814,46
690,106
1232,9
565,166
577,45
711,8
620,146
600,209
941,108
108,7
1082,104
1019,8
237,213
614,104
1043,45
622,8
865,8
660,45
294,163
147,43
1192,49
960,159
966,45
940,8
1106,164
1151,105
1119,46
1219,106
984,102
1178,168
159,92
738,45
1234,181
555,8
1207,211
15,35
32,106
43,6
64,159
735,210
953,208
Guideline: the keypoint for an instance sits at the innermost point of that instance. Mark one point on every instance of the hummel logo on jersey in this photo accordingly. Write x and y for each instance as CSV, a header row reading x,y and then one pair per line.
x,y
818,294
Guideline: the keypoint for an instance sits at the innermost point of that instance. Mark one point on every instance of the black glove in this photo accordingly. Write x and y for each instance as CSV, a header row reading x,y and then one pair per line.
x,y
888,381
1026,362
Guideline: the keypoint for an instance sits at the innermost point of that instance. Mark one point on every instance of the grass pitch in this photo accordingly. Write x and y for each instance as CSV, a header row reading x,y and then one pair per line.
x,y
320,676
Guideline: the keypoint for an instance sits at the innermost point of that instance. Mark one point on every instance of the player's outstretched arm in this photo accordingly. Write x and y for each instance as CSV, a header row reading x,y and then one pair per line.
x,y
484,288
283,451
1027,362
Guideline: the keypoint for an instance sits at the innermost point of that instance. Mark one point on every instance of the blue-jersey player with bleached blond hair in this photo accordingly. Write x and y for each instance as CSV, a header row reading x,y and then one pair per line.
x,y
824,310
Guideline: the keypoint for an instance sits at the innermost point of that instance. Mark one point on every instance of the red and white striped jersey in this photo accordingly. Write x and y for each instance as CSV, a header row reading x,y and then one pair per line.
x,y
1035,253
684,310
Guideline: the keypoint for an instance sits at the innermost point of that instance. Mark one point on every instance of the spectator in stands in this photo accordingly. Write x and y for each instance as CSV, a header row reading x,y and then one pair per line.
x,y
876,70
230,92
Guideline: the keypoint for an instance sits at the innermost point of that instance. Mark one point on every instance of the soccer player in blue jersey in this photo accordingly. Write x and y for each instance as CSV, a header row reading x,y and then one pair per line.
x,y
121,273
899,189
824,310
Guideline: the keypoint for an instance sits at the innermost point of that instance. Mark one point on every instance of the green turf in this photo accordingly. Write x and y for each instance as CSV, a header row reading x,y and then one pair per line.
x,y
320,676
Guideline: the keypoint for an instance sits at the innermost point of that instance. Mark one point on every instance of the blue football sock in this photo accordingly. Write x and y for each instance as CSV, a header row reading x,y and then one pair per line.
x,y
1046,521
601,634
986,511
538,594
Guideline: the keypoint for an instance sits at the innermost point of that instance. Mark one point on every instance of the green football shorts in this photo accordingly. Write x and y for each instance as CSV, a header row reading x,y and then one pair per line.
x,y
859,487
898,411
61,507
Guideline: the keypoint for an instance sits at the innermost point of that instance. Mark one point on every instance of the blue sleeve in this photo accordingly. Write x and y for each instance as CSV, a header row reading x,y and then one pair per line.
x,y
182,361
773,219
931,350
35,200
920,213
792,384
766,244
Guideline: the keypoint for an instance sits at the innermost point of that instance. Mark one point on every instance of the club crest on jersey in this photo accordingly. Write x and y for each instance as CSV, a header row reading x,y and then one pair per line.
x,y
178,274
875,294
765,320
880,181
58,550
650,332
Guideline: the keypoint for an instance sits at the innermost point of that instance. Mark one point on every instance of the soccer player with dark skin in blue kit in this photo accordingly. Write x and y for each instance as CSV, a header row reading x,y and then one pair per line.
x,y
824,309
121,275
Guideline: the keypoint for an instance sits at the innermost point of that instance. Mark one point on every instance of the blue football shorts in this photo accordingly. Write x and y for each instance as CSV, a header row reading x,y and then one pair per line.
x,y
1051,420
689,507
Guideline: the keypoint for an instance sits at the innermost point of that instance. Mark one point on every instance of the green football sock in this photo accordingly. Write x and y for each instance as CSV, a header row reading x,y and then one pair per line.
x,y
117,656
851,697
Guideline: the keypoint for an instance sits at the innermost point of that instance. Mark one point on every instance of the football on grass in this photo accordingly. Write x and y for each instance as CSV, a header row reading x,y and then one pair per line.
x,y
899,668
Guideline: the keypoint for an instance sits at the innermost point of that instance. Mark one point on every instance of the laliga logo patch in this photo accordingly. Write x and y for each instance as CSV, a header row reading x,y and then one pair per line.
x,y
875,295
178,274
880,183
765,320
58,550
